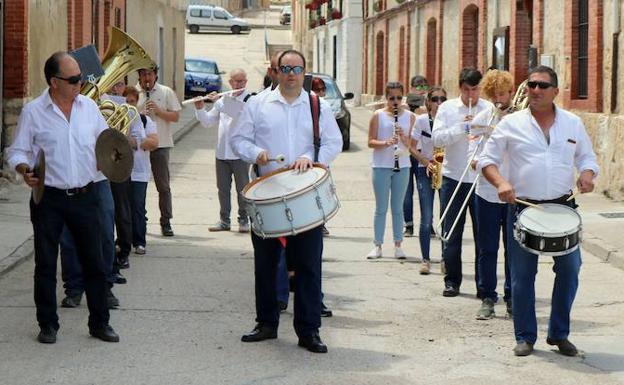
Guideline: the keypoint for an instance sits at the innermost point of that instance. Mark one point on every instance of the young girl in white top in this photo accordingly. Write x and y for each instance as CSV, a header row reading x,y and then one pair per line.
x,y
389,137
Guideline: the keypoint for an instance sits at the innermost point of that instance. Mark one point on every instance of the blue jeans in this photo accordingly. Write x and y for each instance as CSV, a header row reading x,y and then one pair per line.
x,y
523,268
282,284
492,218
425,199
71,270
389,184
408,203
452,249
138,191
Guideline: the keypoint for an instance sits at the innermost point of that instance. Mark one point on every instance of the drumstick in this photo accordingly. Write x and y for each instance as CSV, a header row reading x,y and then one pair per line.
x,y
573,195
281,158
529,204
205,97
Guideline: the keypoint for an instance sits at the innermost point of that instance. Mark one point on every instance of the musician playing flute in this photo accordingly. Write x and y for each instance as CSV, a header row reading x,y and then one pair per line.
x,y
389,133
491,211
450,131
544,144
280,122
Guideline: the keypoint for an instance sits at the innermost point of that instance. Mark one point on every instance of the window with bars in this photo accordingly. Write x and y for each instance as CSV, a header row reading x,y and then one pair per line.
x,y
583,49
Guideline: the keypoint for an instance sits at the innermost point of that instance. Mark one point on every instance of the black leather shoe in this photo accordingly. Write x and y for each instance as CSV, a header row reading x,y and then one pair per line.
x,y
166,230
111,300
450,291
523,349
71,301
566,347
123,262
47,335
260,333
105,333
313,343
325,311
119,279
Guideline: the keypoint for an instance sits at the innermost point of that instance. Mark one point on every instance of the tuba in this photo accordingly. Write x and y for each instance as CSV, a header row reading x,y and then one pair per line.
x,y
520,100
113,152
436,176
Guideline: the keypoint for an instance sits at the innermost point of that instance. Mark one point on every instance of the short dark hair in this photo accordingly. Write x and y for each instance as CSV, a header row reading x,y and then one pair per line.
x,y
541,69
52,66
470,76
290,52
394,86
131,91
417,80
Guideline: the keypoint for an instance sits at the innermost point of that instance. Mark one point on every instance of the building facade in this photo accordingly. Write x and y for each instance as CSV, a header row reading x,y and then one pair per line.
x,y
436,38
32,30
329,33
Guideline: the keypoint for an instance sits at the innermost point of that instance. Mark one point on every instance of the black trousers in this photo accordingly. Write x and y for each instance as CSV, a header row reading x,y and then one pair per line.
x,y
305,251
78,213
123,216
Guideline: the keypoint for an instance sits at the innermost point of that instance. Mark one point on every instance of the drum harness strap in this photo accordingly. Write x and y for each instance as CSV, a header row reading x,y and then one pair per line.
x,y
315,109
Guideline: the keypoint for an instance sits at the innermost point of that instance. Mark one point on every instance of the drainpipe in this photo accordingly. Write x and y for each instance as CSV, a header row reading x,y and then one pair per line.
x,y
615,53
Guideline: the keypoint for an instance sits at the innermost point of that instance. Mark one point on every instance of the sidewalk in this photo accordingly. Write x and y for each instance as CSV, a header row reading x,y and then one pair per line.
x,y
602,217
16,237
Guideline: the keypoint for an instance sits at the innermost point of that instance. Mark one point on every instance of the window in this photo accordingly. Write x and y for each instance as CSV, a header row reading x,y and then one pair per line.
x,y
206,13
583,49
500,49
195,12
220,15
201,66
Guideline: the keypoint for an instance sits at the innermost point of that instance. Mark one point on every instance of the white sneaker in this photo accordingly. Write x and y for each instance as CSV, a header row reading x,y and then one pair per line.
x,y
398,253
374,253
139,250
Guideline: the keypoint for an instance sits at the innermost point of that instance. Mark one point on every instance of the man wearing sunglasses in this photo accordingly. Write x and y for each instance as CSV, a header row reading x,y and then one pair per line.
x,y
65,126
280,122
543,144
449,131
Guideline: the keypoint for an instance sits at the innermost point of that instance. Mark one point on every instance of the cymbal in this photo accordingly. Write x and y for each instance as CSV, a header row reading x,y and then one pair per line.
x,y
114,155
39,172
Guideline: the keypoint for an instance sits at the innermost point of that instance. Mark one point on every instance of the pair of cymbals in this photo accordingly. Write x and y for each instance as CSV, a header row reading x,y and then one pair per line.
x,y
114,155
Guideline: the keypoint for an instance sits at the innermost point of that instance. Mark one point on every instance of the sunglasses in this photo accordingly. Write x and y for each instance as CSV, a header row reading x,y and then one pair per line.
x,y
438,99
421,87
541,85
72,79
393,98
297,70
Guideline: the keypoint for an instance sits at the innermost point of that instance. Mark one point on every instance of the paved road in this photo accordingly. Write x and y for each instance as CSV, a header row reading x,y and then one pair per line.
x,y
190,298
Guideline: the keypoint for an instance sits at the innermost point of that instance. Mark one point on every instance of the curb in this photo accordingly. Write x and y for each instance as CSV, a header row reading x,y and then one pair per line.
x,y
27,249
604,251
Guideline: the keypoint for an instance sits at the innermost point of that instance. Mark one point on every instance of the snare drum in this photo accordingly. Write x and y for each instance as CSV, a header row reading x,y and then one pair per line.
x,y
552,229
285,202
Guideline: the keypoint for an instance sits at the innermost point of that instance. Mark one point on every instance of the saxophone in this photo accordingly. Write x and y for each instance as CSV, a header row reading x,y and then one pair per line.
x,y
436,175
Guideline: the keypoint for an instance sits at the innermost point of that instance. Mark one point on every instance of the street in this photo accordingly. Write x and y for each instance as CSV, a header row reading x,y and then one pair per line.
x,y
191,297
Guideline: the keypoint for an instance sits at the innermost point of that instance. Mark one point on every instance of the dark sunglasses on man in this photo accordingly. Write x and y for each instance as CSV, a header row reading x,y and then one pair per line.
x,y
72,79
297,70
541,85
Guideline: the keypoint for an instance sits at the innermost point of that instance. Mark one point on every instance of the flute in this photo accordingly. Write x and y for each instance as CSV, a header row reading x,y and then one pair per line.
x,y
206,97
396,145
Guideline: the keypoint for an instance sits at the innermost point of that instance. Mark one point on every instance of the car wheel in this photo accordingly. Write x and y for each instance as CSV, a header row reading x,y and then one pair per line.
x,y
236,29
193,29
346,135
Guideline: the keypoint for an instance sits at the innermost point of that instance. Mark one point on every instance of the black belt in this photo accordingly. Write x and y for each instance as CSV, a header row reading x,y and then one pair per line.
x,y
72,191
562,200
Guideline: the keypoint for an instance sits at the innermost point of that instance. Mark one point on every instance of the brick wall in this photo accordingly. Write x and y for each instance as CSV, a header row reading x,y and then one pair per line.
x,y
520,39
15,68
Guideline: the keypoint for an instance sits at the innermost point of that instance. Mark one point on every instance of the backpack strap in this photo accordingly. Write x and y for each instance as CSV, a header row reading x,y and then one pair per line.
x,y
315,109
143,119
248,96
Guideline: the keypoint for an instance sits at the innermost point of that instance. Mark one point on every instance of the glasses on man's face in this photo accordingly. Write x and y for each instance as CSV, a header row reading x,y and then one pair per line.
x,y
395,98
438,99
421,87
542,85
297,70
71,79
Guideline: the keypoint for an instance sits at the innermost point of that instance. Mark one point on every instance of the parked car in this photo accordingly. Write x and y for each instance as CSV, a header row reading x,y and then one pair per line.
x,y
210,17
201,76
285,15
336,100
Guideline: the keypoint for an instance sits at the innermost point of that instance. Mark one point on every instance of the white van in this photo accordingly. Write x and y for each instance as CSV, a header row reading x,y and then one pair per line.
x,y
210,17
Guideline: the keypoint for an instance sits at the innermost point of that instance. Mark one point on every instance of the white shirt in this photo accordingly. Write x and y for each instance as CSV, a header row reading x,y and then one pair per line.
x,y
69,147
384,157
422,133
165,98
141,169
484,188
538,170
216,115
449,131
269,123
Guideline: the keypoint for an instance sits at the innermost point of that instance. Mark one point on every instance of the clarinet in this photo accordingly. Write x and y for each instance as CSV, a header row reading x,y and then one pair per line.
x,y
396,146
